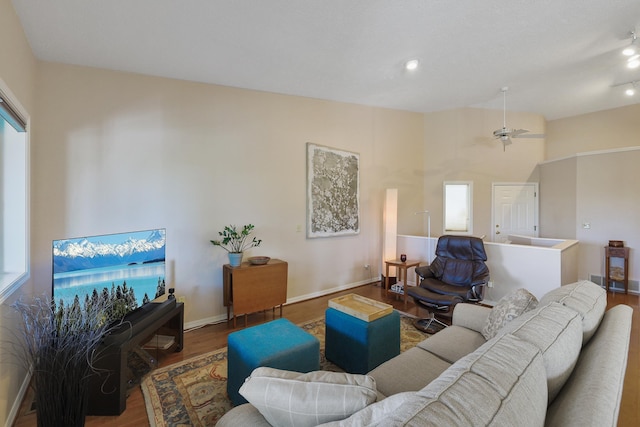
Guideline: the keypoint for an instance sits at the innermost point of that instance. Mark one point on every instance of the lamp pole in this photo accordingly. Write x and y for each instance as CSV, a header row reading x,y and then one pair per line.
x,y
428,232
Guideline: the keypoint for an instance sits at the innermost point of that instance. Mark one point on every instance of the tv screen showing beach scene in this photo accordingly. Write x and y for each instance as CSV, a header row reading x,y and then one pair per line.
x,y
128,269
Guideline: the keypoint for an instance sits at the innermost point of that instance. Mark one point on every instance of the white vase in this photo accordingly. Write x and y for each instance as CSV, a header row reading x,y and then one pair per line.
x,y
235,259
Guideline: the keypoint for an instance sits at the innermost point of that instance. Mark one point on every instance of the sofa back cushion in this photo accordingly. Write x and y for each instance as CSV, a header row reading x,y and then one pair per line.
x,y
557,332
500,384
585,297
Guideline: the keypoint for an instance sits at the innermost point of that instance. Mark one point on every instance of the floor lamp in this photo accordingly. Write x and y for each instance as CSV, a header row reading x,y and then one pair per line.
x,y
428,232
390,226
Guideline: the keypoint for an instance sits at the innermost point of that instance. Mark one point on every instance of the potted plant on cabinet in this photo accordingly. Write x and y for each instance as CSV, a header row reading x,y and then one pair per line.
x,y
236,242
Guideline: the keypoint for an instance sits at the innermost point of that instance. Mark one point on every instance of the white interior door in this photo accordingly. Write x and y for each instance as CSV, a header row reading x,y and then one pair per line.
x,y
515,210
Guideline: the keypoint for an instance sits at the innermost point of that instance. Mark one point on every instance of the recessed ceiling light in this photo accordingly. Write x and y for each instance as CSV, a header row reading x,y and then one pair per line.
x,y
411,64
632,49
634,61
630,92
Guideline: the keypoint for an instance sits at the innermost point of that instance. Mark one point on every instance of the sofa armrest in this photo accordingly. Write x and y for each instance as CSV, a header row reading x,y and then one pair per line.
x,y
593,393
470,316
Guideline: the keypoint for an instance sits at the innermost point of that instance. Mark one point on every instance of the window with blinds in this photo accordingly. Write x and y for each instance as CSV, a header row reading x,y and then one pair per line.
x,y
458,215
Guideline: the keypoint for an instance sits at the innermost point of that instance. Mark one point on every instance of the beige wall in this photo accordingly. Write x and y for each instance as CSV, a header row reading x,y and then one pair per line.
x,y
592,177
459,146
116,152
558,198
17,63
17,72
608,197
610,129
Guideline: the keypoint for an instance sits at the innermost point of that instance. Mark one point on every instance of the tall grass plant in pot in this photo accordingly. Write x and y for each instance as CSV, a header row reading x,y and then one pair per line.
x,y
59,344
236,242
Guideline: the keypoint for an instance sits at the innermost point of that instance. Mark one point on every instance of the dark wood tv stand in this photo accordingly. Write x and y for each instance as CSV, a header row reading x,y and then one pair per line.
x,y
108,389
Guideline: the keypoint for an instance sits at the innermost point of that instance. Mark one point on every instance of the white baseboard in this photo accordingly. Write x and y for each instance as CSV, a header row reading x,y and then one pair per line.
x,y
15,408
327,291
223,318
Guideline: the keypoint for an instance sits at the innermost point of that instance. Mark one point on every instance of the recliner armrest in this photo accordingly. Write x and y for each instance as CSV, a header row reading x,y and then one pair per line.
x,y
470,316
424,271
481,279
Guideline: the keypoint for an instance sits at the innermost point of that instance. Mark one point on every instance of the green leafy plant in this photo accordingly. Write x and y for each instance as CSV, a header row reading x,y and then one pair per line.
x,y
235,241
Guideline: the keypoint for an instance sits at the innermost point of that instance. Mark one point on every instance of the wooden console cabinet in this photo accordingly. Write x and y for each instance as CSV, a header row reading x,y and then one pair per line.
x,y
251,288
108,390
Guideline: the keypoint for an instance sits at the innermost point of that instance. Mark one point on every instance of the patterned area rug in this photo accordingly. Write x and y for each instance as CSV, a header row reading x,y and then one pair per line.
x,y
194,392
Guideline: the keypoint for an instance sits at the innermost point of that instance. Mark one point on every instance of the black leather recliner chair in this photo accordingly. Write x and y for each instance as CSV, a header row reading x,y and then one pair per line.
x,y
457,274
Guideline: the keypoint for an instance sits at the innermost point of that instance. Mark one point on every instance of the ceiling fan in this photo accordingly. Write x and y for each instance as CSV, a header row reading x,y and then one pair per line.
x,y
505,134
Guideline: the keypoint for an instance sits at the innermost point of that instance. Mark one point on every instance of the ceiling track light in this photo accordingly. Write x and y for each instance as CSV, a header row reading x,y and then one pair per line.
x,y
633,48
631,90
631,87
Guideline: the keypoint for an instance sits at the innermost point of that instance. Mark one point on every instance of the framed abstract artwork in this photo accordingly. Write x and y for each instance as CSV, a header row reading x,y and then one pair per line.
x,y
333,192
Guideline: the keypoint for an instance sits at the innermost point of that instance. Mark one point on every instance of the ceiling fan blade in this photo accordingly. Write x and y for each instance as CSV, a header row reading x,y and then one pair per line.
x,y
517,132
529,135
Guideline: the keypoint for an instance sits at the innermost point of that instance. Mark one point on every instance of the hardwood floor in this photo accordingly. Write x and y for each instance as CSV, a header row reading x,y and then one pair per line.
x,y
212,337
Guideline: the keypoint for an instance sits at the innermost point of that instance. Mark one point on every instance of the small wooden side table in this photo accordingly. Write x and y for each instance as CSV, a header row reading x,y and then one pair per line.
x,y
252,288
613,252
402,272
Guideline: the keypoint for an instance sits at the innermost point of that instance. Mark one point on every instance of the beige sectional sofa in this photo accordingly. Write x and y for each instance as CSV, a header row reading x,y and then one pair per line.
x,y
561,363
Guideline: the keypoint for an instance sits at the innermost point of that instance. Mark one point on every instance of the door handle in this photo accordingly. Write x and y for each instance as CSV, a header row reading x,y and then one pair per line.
x,y
497,232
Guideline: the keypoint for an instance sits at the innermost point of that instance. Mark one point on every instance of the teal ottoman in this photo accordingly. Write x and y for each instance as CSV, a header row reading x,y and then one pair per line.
x,y
277,344
358,346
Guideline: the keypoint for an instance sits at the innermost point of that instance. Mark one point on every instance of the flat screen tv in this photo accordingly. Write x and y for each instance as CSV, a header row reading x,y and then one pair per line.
x,y
126,269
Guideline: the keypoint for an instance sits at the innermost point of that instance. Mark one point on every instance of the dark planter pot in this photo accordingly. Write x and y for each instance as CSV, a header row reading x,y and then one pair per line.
x,y
61,389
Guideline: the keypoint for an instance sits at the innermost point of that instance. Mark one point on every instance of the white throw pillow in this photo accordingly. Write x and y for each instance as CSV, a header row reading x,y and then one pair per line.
x,y
508,308
286,398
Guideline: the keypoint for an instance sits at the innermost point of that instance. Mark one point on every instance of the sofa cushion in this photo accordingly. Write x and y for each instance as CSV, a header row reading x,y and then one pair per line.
x,y
452,343
288,398
585,297
409,371
557,332
508,308
377,414
500,384
470,316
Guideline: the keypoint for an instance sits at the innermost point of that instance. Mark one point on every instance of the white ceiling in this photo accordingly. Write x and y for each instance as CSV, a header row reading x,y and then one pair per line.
x,y
559,58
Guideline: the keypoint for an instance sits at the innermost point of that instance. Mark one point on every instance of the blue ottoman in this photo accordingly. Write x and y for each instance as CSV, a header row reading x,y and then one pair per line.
x,y
358,346
277,344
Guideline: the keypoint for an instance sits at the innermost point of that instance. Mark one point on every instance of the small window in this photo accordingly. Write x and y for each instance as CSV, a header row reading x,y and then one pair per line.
x,y
14,192
458,218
